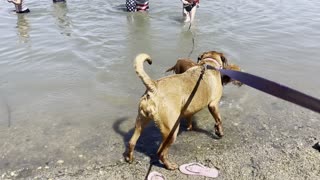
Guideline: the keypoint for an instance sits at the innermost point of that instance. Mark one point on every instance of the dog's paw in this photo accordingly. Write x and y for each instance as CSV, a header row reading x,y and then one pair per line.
x,y
218,131
129,160
220,135
171,166
127,157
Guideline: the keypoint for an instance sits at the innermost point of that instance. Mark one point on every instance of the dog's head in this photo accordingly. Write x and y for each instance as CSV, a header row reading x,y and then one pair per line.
x,y
220,61
217,58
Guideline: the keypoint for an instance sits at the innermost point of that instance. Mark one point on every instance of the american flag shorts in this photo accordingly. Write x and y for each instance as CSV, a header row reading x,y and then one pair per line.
x,y
131,5
142,5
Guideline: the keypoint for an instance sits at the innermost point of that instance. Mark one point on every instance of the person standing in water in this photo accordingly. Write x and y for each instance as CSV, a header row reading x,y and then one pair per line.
x,y
20,7
137,5
189,9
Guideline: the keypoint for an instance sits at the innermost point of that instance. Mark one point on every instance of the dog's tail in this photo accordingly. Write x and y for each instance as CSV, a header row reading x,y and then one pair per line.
x,y
138,65
171,69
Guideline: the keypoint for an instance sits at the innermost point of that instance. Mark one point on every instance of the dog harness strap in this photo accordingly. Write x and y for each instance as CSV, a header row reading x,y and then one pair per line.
x,y
273,88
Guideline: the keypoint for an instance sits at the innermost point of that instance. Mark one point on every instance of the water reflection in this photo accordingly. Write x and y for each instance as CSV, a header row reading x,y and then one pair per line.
x,y
187,42
23,28
139,36
60,11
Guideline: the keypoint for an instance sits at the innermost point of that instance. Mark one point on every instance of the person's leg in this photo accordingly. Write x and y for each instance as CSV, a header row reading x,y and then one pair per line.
x,y
186,15
192,13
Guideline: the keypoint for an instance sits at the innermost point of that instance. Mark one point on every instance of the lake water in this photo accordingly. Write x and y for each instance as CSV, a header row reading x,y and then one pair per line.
x,y
67,75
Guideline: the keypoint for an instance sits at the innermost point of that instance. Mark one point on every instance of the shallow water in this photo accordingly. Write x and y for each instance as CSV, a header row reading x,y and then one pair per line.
x,y
67,77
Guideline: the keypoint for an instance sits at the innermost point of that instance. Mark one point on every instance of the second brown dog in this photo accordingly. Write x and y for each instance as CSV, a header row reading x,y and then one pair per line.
x,y
183,65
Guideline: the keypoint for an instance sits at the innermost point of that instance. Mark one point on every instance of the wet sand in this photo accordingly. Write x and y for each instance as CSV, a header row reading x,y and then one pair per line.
x,y
273,142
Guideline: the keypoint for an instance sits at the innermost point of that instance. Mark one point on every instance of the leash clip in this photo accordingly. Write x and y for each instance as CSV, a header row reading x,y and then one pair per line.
x,y
205,67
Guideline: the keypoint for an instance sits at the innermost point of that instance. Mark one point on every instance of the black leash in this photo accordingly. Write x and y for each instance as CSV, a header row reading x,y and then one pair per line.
x,y
273,88
189,29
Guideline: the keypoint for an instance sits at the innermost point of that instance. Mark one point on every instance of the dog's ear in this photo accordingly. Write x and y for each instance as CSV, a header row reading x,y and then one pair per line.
x,y
200,57
233,67
224,60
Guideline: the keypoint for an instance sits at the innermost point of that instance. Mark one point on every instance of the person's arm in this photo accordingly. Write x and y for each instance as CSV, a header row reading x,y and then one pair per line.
x,y
17,2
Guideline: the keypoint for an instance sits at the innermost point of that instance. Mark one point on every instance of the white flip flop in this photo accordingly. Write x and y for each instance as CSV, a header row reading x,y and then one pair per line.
x,y
199,170
155,176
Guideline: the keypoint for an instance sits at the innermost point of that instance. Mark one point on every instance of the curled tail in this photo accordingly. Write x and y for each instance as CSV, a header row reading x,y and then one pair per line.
x,y
138,65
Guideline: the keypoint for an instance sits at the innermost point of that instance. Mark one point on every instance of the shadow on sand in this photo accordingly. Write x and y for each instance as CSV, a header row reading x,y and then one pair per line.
x,y
150,139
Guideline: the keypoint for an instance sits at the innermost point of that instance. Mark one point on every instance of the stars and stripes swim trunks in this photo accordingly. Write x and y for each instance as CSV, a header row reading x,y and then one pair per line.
x,y
137,5
142,5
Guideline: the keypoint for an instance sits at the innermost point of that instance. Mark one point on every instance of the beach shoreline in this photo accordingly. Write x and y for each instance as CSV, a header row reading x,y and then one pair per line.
x,y
247,151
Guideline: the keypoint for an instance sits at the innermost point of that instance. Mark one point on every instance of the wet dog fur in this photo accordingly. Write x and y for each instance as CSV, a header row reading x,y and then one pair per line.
x,y
181,66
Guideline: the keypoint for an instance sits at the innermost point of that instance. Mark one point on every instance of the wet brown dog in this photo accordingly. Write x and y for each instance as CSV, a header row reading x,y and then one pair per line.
x,y
183,65
224,78
166,97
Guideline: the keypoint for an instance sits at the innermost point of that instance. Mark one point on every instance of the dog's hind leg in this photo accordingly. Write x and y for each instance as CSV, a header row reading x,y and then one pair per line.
x,y
189,122
214,110
141,122
165,144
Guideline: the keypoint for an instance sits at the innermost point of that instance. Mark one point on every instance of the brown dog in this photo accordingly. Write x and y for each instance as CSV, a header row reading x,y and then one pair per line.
x,y
183,65
224,78
165,99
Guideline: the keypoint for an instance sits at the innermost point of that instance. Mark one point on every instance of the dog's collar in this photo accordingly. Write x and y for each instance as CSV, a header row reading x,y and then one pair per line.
x,y
219,66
